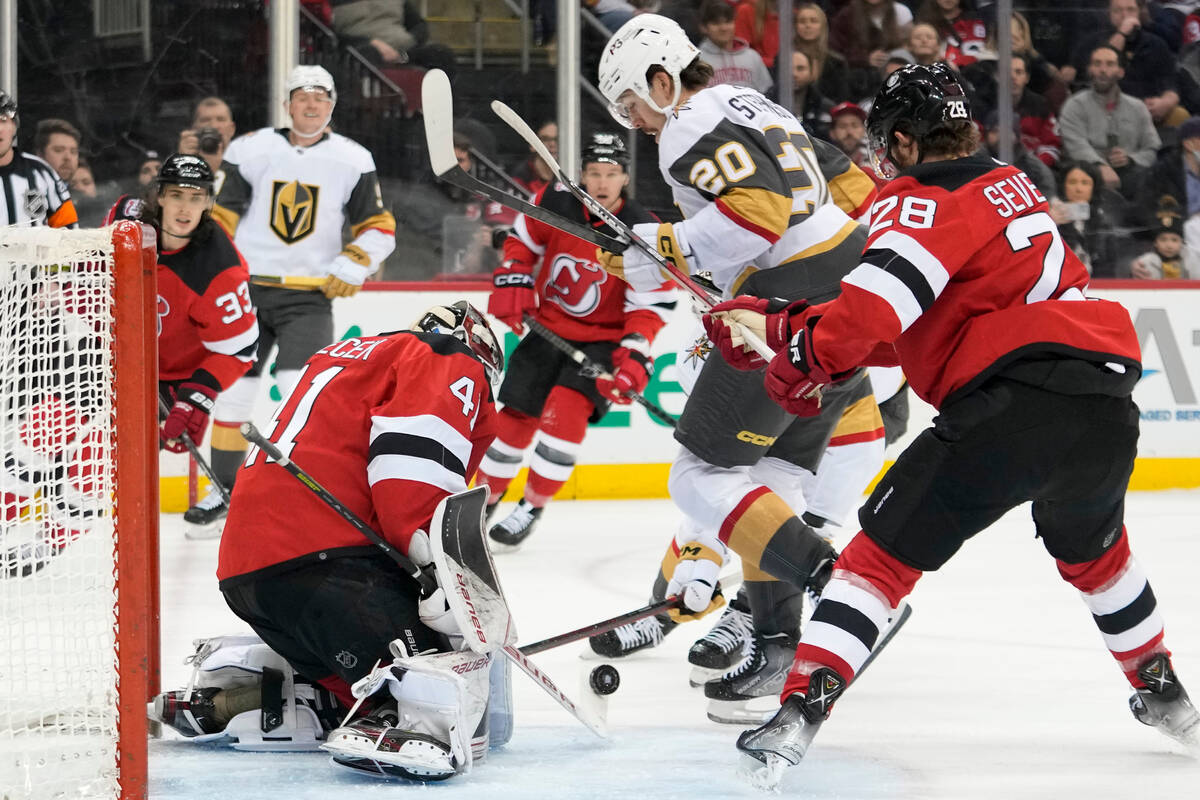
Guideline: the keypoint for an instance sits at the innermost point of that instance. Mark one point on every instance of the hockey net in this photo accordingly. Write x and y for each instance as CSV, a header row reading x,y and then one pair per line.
x,y
78,516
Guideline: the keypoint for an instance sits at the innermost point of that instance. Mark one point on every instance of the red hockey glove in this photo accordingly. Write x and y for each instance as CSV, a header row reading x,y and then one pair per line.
x,y
512,295
795,379
632,368
193,405
769,318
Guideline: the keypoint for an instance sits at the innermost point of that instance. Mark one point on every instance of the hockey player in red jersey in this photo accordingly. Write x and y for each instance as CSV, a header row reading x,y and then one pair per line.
x,y
207,328
964,278
554,277
390,425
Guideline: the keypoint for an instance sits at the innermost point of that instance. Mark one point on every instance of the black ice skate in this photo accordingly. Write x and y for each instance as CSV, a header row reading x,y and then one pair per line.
x,y
784,740
723,647
630,638
749,693
516,527
206,519
1164,704
194,715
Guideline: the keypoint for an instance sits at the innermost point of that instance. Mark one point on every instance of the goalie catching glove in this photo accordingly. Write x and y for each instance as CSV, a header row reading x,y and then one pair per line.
x,y
695,580
632,368
513,295
770,319
795,379
640,270
189,414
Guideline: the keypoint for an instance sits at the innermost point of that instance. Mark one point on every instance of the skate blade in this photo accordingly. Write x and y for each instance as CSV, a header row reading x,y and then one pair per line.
x,y
743,712
764,776
500,548
198,533
702,675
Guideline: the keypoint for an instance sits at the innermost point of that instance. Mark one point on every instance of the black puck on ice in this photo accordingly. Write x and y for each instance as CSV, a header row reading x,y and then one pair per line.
x,y
604,679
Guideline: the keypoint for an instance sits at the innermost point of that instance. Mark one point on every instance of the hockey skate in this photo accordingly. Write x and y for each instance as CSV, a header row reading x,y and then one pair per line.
x,y
1164,704
783,741
194,714
206,519
632,637
375,745
749,693
722,648
514,529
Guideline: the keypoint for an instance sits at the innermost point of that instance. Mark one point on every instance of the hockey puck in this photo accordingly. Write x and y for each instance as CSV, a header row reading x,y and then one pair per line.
x,y
604,679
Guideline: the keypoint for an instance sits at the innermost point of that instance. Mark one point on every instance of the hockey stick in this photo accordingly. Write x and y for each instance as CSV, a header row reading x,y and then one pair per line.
x,y
514,121
253,436
662,606
196,457
425,579
898,621
301,282
590,369
438,111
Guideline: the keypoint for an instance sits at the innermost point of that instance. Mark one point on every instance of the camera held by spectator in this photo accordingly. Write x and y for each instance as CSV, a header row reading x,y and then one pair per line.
x,y
209,140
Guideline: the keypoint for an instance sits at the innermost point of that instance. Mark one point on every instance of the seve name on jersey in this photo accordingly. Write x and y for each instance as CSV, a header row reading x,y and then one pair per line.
x,y
1013,194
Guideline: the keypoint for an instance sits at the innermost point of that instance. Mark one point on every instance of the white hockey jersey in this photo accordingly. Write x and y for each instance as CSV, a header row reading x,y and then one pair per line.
x,y
286,206
755,191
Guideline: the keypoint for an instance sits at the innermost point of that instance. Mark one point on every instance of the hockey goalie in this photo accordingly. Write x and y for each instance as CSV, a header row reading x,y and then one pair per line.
x,y
352,654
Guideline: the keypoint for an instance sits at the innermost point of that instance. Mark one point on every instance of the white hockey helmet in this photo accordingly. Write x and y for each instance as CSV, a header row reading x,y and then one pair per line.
x,y
643,42
310,76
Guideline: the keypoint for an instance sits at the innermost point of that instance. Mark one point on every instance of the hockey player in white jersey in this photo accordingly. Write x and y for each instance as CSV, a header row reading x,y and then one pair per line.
x,y
767,212
284,196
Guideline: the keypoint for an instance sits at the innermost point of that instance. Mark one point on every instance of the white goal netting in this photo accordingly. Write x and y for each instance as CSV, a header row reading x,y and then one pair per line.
x,y
58,568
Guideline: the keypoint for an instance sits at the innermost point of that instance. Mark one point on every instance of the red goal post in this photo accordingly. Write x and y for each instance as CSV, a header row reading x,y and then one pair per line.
x,y
78,510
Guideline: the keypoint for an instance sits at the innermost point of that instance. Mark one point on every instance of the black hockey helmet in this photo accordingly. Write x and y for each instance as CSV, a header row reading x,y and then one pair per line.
x,y
8,106
915,99
607,148
465,322
185,170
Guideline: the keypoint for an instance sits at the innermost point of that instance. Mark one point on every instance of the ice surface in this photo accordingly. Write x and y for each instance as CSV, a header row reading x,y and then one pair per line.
x,y
999,686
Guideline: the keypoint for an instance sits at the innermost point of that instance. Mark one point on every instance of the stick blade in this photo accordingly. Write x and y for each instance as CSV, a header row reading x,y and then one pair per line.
x,y
466,572
438,110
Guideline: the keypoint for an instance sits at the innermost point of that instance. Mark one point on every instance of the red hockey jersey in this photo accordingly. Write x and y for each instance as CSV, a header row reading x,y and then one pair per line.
x,y
389,424
964,271
206,321
577,299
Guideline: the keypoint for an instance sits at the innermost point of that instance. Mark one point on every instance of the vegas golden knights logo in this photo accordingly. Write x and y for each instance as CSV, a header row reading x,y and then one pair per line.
x,y
293,209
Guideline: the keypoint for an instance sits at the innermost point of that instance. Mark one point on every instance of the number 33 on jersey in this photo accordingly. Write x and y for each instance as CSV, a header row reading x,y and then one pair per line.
x,y
389,424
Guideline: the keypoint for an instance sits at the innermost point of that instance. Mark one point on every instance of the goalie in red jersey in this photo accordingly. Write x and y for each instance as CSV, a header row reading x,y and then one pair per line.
x,y
390,425
965,282
554,277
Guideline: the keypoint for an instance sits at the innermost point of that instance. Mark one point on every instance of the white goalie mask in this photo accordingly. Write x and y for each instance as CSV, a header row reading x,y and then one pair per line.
x,y
643,42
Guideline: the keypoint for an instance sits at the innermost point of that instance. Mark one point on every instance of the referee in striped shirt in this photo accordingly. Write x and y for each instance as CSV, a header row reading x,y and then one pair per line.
x,y
33,192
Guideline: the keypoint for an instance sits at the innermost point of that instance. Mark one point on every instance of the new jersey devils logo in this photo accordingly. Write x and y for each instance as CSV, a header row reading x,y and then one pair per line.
x,y
575,284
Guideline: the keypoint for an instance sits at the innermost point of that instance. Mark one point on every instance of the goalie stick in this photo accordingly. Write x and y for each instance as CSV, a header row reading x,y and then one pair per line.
x,y
458,514
196,457
590,369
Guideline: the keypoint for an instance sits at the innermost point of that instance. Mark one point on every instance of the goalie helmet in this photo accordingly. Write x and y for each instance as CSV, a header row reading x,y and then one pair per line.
x,y
464,322
182,169
607,148
645,41
915,99
309,77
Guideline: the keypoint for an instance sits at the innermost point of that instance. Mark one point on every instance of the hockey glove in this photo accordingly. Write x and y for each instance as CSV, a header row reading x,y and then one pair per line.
x,y
695,581
632,368
189,414
795,379
513,295
768,318
347,273
641,271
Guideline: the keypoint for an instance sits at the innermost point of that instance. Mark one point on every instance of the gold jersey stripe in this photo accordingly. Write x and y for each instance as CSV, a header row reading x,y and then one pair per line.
x,y
860,416
383,221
